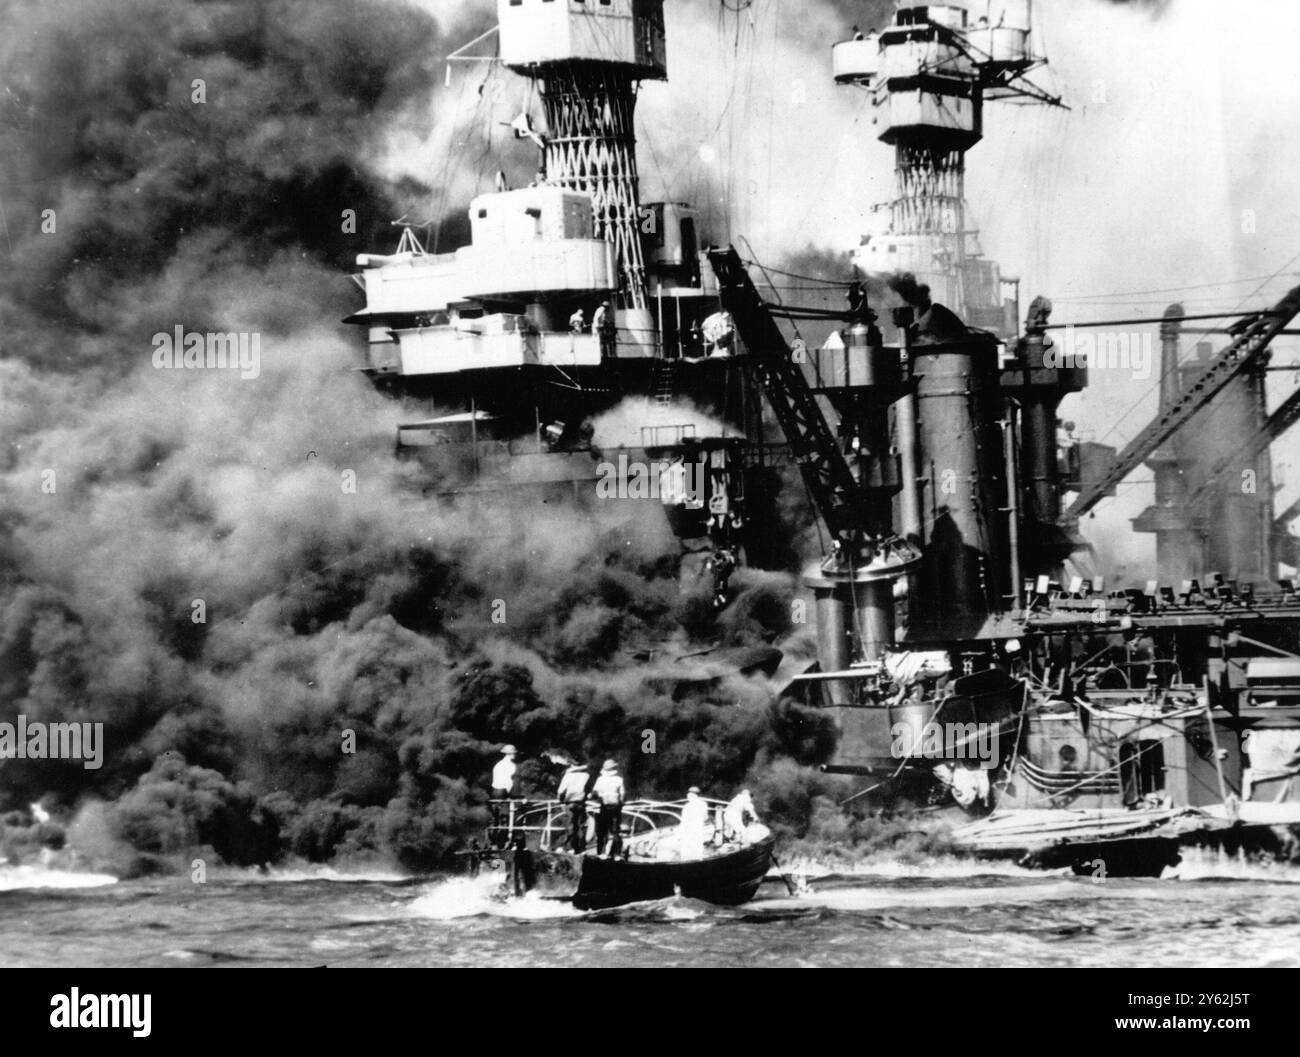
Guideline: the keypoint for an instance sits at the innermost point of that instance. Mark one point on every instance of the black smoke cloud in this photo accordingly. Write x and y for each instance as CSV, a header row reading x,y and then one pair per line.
x,y
161,201
235,576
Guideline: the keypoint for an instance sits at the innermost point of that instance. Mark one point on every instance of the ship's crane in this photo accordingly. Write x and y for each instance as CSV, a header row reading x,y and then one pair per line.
x,y
841,501
854,585
826,472
1255,334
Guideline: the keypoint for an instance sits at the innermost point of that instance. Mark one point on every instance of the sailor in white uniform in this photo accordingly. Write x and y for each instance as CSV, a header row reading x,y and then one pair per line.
x,y
503,774
695,816
738,814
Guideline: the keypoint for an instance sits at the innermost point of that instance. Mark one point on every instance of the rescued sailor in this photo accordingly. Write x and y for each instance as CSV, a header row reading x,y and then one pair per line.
x,y
609,791
691,832
503,774
573,794
503,781
738,814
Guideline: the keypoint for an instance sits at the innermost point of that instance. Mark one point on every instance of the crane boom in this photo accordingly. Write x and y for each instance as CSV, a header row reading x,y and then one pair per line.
x,y
1253,339
826,472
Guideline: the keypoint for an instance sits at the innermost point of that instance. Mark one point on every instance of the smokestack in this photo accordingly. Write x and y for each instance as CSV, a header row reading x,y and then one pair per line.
x,y
863,385
963,575
1178,529
1039,389
1229,531
911,523
1239,543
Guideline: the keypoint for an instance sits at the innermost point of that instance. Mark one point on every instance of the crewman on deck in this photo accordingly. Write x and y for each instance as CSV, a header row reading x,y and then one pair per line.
x,y
503,774
695,816
604,326
577,321
503,781
609,823
573,793
738,814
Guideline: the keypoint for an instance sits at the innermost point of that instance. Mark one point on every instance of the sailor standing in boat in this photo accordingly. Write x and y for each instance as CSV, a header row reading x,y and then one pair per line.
x,y
739,814
609,823
573,792
503,774
695,816
503,781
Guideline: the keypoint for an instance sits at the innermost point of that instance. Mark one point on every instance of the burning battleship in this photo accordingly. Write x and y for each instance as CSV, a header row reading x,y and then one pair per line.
x,y
956,604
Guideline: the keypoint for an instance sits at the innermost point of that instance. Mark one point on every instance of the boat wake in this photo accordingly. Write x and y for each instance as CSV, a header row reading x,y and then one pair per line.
x,y
1211,864
16,878
466,897
857,893
676,909
308,872
811,870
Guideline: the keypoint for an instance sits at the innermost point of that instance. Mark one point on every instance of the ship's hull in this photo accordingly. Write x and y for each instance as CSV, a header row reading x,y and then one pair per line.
x,y
1126,844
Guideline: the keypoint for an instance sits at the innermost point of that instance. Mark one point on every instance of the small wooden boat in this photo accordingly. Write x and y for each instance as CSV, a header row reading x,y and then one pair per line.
x,y
527,844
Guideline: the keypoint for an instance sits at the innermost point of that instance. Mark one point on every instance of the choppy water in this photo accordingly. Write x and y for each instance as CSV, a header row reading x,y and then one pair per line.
x,y
945,914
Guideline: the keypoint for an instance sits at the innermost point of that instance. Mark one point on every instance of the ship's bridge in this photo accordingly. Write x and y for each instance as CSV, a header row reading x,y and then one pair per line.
x,y
531,248
535,242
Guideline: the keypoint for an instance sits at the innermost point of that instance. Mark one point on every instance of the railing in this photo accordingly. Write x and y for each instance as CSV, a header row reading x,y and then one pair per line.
x,y
653,436
644,821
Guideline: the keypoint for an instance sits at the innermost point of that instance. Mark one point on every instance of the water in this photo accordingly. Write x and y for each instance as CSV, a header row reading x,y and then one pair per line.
x,y
888,915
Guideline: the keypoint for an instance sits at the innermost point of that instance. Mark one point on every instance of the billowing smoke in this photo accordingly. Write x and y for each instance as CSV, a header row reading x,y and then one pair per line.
x,y
905,285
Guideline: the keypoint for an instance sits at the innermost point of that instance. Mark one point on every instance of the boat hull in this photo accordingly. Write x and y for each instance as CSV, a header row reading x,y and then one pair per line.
x,y
593,883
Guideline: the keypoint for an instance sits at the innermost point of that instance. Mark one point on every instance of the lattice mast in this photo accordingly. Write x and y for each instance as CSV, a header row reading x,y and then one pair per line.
x,y
588,59
929,73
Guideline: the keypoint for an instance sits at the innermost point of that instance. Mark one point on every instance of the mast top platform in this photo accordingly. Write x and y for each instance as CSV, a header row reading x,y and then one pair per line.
x,y
626,37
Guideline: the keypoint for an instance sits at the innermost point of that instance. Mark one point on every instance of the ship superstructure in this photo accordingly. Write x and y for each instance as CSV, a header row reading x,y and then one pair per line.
x,y
928,74
954,591
1110,718
573,296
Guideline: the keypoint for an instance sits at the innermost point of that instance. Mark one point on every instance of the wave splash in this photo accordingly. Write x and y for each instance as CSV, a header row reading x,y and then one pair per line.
x,y
31,875
464,897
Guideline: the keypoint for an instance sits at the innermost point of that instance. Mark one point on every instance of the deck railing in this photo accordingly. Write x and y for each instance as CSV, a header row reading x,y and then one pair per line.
x,y
549,820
